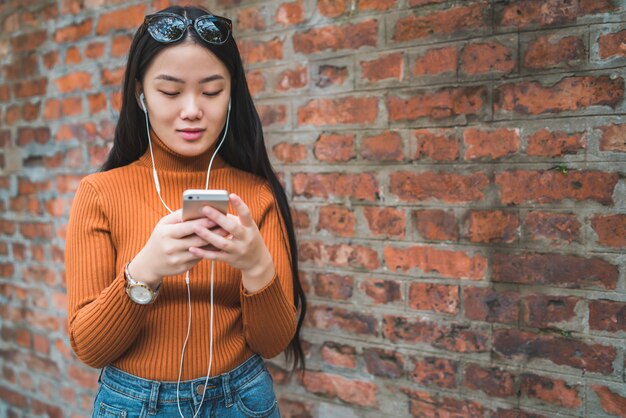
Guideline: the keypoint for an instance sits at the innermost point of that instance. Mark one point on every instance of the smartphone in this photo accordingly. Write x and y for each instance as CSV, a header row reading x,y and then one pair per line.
x,y
195,199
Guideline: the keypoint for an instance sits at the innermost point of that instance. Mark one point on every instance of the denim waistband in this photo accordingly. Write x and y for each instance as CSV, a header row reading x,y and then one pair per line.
x,y
153,391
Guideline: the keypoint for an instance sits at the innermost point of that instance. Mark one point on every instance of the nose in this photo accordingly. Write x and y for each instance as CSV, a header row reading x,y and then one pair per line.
x,y
191,109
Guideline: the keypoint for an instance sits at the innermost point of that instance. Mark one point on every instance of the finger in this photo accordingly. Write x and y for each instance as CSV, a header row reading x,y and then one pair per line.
x,y
173,218
242,210
209,254
214,239
228,223
186,228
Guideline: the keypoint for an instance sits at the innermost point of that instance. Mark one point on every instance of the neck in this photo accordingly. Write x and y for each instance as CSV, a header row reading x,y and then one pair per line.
x,y
165,159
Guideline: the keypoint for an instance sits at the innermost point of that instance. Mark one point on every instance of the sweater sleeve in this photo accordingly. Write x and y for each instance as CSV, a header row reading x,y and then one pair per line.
x,y
103,321
269,314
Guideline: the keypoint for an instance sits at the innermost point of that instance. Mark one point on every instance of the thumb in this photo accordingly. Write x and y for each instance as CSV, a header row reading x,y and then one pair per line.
x,y
173,218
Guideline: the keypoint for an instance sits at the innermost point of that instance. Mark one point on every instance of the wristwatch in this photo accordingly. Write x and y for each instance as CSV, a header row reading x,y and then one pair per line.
x,y
139,292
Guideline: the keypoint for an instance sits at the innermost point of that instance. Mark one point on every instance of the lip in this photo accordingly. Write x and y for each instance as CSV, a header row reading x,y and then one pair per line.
x,y
191,134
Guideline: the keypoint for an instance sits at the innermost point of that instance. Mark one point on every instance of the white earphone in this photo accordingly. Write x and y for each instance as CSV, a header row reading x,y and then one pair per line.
x,y
158,190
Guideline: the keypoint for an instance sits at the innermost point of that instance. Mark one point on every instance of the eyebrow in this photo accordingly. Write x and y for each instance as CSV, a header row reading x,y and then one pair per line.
x,y
178,80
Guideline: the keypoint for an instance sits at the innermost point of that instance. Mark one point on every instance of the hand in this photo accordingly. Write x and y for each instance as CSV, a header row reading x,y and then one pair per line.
x,y
166,252
243,249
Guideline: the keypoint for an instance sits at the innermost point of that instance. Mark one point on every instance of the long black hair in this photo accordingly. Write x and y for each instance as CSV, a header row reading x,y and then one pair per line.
x,y
243,149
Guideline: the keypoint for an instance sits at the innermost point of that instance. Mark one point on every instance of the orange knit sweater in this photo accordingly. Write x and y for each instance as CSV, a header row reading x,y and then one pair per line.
x,y
112,217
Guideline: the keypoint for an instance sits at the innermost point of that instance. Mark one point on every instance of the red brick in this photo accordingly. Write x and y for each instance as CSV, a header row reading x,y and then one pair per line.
x,y
30,88
79,80
433,371
548,51
355,392
447,263
335,38
607,315
29,135
97,103
384,363
290,13
333,286
423,404
332,148
331,8
447,187
330,318
52,109
436,61
75,32
339,355
295,409
545,143
126,18
492,381
256,81
112,77
385,147
438,145
487,226
596,6
523,186
82,377
95,50
119,47
253,51
552,391
382,291
525,346
436,224
340,255
337,219
21,67
613,138
251,18
554,269
387,222
37,230
523,13
362,186
490,145
274,114
552,227
72,106
488,57
301,219
346,110
610,401
438,298
332,75
390,66
569,94
293,78
13,398
290,153
515,413
376,4
51,411
442,103
29,41
451,337
543,311
451,20
486,304
611,229
612,45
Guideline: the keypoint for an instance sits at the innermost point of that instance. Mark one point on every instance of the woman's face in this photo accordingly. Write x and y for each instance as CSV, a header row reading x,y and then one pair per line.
x,y
186,89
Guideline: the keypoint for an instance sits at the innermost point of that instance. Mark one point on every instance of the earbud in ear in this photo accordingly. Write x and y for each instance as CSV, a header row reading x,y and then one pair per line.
x,y
143,103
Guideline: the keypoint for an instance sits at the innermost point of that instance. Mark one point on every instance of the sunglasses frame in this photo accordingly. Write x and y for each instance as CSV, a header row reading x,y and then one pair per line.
x,y
188,22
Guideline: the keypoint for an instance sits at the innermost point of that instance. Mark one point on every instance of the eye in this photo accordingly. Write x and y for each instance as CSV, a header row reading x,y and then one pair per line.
x,y
213,94
169,94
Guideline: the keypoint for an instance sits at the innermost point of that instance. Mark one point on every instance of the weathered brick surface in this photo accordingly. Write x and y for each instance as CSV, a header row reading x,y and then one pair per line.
x,y
456,171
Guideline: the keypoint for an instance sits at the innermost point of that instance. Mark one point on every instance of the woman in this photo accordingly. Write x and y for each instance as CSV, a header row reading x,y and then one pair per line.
x,y
141,280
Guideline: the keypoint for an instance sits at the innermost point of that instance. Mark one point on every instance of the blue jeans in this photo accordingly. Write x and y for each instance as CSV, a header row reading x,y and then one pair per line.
x,y
245,391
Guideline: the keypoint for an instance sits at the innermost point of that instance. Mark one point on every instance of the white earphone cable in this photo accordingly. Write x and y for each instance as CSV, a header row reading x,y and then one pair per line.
x,y
158,190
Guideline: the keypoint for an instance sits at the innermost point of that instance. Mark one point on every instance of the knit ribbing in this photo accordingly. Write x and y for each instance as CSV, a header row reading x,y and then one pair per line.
x,y
112,217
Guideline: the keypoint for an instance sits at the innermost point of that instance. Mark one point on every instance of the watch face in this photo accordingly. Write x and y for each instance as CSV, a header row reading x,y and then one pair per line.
x,y
140,294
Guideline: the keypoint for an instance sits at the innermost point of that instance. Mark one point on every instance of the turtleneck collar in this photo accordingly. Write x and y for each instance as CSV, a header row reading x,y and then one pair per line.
x,y
166,159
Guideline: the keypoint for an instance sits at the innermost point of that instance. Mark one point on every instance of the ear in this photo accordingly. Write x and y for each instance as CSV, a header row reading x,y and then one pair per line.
x,y
138,92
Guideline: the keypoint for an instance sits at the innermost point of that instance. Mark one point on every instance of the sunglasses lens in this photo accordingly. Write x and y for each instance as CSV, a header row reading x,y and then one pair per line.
x,y
166,29
214,31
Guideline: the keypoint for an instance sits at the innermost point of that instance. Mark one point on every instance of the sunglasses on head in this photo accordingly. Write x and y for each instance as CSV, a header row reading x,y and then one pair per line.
x,y
170,27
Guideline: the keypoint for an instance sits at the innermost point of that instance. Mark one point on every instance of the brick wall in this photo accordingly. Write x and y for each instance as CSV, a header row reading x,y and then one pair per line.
x,y
457,170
